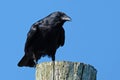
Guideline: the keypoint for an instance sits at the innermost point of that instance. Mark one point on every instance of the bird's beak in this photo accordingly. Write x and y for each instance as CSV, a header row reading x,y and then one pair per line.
x,y
66,18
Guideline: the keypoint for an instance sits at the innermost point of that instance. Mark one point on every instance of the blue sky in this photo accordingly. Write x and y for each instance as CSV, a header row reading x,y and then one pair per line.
x,y
93,36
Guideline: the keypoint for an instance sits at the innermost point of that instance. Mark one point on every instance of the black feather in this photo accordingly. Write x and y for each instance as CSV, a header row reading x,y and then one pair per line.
x,y
44,37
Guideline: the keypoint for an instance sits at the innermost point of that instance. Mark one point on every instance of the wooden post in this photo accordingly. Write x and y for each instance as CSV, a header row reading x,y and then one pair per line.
x,y
65,71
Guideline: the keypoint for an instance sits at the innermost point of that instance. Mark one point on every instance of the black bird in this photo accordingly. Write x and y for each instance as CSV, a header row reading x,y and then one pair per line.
x,y
44,38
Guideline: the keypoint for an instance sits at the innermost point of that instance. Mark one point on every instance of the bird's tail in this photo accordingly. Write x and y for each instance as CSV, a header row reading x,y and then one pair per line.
x,y
26,61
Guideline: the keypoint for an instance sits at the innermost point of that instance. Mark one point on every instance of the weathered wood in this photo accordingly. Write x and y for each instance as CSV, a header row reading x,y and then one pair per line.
x,y
65,71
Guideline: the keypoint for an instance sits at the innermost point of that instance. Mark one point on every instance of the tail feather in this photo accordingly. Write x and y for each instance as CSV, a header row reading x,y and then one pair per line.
x,y
25,61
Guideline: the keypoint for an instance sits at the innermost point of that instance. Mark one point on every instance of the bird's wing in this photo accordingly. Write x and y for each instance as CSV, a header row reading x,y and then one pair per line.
x,y
62,37
31,36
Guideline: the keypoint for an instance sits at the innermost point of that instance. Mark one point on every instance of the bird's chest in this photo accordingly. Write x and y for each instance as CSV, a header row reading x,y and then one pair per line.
x,y
48,37
52,36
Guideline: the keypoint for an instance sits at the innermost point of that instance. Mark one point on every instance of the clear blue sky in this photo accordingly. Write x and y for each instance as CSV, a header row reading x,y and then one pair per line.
x,y
93,36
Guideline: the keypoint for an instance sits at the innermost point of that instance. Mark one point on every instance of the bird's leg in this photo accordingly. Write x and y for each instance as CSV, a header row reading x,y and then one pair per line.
x,y
34,58
53,60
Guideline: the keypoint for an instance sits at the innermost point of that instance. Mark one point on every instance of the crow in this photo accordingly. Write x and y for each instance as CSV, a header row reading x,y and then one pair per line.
x,y
44,38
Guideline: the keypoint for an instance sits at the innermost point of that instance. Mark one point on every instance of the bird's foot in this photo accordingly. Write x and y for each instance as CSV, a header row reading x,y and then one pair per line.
x,y
35,63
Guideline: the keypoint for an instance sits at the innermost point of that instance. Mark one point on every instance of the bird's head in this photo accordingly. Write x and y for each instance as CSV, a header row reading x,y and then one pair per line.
x,y
59,17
